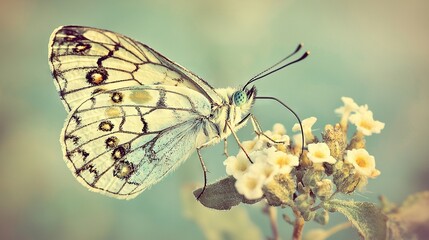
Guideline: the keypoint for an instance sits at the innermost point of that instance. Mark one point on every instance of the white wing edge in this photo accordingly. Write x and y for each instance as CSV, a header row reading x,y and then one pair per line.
x,y
51,67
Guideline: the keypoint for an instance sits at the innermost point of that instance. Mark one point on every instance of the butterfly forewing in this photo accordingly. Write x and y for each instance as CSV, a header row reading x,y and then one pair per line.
x,y
85,61
119,142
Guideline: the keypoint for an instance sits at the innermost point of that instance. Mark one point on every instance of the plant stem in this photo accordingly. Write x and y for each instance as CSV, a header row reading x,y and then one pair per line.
x,y
298,226
273,221
320,204
272,216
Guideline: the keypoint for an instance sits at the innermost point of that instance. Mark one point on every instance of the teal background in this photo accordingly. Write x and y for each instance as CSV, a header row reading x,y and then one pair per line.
x,y
376,52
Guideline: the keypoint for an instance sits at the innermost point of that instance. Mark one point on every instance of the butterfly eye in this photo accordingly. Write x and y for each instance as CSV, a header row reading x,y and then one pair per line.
x,y
239,98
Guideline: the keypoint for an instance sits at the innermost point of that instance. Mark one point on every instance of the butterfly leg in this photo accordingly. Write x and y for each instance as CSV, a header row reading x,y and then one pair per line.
x,y
238,141
255,124
259,132
203,166
225,148
204,171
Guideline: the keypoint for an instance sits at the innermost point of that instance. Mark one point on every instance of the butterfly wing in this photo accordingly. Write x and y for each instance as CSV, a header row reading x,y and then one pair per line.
x,y
85,61
119,142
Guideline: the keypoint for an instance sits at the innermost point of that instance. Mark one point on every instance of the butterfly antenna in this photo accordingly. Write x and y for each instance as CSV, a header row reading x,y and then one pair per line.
x,y
267,71
276,64
296,116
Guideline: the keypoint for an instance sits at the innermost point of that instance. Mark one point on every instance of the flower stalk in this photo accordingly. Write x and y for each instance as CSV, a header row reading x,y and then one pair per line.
x,y
298,227
272,216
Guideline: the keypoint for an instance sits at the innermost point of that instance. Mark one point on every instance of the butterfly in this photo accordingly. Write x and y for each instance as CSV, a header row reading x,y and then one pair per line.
x,y
133,114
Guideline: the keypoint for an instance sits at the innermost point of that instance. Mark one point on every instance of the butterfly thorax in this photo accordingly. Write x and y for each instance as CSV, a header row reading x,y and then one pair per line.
x,y
229,112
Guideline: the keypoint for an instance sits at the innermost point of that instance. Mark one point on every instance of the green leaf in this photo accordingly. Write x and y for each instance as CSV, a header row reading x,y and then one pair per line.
x,y
221,195
365,216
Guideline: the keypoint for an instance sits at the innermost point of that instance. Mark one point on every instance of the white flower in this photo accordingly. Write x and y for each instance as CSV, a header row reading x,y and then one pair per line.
x,y
237,165
249,146
349,106
284,162
345,111
250,185
280,141
319,153
281,138
363,162
306,126
262,155
297,148
365,122
258,143
278,128
264,168
297,139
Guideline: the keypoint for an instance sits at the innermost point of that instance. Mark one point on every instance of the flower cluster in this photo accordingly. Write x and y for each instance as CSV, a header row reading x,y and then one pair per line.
x,y
274,168
269,156
359,116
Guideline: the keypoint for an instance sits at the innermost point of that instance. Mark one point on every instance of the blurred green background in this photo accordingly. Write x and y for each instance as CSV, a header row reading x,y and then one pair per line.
x,y
376,52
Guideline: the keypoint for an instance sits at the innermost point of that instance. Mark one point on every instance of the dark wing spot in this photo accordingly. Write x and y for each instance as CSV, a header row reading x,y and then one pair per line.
x,y
124,170
77,119
71,35
81,48
84,153
118,153
161,101
97,76
117,97
105,126
145,127
112,142
75,139
91,168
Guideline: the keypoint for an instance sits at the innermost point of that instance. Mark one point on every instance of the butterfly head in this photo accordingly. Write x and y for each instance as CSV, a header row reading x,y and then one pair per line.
x,y
244,98
239,98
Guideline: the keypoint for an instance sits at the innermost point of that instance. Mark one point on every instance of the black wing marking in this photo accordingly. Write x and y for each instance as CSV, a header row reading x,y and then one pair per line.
x,y
85,61
119,142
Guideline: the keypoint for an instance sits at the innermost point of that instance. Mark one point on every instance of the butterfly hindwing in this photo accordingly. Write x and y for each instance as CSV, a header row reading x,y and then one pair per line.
x,y
85,61
119,142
